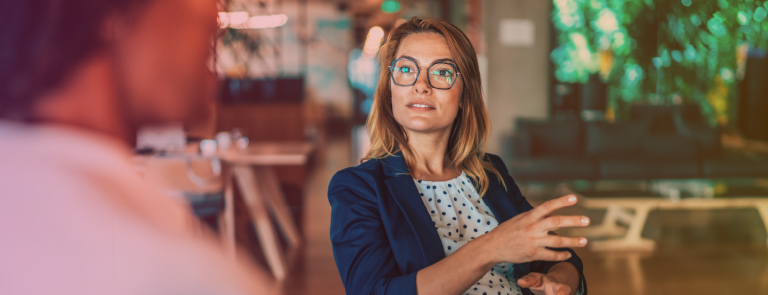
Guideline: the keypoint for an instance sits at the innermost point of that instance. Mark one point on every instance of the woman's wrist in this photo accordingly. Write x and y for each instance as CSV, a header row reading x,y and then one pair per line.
x,y
458,271
487,253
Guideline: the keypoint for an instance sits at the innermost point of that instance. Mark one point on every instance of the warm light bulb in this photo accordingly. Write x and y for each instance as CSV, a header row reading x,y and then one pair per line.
x,y
375,35
241,20
267,21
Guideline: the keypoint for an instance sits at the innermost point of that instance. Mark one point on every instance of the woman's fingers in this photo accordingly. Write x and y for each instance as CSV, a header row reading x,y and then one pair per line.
x,y
562,242
550,206
531,280
554,288
550,255
560,221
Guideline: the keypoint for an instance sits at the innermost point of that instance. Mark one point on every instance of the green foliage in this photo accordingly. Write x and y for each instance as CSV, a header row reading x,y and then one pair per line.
x,y
243,46
390,6
248,39
652,51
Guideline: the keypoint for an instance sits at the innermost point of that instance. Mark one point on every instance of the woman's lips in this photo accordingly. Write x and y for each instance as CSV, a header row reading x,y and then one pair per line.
x,y
420,107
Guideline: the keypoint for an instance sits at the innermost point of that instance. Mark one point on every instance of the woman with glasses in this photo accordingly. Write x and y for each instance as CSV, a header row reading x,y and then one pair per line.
x,y
428,211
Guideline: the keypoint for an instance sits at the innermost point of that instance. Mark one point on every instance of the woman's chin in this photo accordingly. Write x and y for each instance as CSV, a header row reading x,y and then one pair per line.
x,y
422,124
422,128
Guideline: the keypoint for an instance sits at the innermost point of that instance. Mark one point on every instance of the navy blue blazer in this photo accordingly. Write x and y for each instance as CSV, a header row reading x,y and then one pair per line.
x,y
382,233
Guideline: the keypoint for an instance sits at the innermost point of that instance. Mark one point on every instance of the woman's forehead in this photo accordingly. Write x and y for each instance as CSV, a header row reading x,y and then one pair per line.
x,y
424,48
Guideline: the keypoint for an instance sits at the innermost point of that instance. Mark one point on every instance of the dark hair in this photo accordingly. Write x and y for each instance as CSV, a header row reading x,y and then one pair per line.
x,y
41,41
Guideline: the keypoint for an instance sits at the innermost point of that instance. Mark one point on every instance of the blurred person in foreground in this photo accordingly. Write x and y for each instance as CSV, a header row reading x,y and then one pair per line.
x,y
77,78
430,212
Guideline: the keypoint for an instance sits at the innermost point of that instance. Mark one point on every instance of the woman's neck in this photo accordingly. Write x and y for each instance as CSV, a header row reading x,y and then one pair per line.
x,y
429,151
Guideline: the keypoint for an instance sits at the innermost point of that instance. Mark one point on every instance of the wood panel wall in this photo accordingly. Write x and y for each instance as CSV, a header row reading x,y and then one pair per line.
x,y
263,121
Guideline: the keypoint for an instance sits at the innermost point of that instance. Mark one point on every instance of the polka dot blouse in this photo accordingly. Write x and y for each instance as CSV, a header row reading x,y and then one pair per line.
x,y
461,216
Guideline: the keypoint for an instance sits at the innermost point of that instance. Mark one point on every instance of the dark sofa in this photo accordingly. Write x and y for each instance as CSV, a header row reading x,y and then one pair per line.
x,y
656,142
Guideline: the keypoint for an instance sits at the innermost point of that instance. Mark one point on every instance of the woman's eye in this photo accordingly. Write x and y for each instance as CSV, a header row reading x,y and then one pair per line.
x,y
444,73
405,70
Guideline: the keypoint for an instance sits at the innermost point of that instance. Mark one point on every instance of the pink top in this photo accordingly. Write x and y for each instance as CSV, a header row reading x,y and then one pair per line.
x,y
76,219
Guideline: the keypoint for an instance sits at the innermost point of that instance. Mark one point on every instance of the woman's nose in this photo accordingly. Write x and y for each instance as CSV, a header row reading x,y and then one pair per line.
x,y
422,84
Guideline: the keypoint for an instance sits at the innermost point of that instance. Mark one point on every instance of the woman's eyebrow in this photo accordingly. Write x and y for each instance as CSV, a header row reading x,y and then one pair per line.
x,y
433,62
444,60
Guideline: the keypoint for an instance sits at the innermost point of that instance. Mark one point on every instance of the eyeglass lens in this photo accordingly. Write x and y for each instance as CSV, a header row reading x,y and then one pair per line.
x,y
440,75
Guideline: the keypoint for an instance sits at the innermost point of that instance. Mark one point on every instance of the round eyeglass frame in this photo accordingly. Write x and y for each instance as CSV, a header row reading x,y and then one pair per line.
x,y
418,72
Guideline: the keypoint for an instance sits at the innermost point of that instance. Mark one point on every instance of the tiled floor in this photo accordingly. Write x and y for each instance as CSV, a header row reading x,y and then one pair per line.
x,y
714,252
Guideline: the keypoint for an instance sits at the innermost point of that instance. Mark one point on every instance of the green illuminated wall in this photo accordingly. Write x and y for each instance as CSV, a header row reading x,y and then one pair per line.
x,y
659,51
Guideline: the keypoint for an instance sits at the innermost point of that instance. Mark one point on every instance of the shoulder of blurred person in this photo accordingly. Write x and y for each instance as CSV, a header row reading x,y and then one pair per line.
x,y
77,78
76,219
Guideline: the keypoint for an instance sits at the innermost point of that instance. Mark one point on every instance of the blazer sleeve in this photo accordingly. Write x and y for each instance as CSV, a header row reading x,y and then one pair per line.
x,y
517,198
360,244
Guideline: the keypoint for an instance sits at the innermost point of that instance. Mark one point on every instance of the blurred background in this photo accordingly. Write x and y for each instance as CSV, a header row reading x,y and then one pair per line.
x,y
653,111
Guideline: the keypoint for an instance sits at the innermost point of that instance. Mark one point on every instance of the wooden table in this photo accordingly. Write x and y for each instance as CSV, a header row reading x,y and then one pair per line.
x,y
251,170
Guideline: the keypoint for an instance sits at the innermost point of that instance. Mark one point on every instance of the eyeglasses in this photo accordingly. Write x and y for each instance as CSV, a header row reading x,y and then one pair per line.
x,y
440,75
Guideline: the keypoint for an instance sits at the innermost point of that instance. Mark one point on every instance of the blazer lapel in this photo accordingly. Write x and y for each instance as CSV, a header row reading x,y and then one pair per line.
x,y
406,195
496,198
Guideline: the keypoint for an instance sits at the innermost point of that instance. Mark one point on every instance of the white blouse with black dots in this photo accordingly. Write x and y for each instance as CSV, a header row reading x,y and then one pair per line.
x,y
461,216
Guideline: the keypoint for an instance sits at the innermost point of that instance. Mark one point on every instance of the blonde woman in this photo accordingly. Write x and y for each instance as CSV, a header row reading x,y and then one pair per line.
x,y
429,212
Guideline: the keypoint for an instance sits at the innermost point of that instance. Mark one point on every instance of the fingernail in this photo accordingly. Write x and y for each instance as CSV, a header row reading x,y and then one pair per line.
x,y
572,199
583,241
585,220
569,255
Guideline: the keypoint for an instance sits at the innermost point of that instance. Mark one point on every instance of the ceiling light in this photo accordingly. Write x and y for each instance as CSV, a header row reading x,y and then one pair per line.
x,y
241,20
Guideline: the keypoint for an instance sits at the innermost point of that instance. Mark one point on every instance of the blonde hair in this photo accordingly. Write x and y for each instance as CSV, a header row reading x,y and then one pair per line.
x,y
466,144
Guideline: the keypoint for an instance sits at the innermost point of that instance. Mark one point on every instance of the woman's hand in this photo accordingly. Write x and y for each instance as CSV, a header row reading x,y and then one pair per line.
x,y
525,237
541,284
562,279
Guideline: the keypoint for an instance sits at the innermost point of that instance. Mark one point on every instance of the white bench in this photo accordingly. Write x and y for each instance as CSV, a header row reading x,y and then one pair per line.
x,y
633,211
